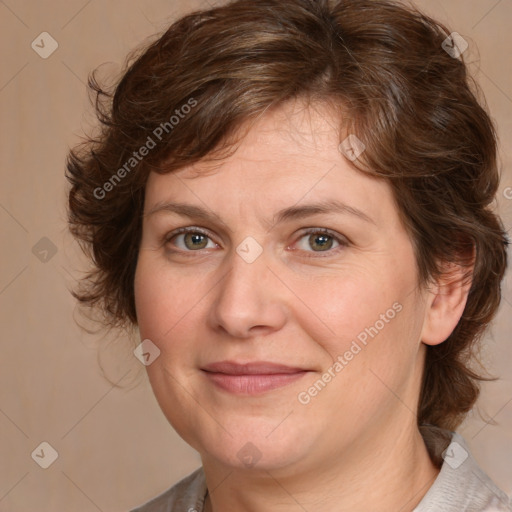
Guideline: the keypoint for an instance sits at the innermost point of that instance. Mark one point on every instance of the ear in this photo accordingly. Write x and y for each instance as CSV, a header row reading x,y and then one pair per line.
x,y
446,301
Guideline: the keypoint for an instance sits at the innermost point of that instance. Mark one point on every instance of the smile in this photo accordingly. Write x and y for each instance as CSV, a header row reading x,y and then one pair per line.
x,y
251,378
252,384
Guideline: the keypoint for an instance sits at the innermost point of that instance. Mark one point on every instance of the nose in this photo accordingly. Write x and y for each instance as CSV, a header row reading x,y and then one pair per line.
x,y
250,299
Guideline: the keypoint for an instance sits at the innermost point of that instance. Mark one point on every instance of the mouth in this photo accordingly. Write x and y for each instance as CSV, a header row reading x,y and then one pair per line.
x,y
251,378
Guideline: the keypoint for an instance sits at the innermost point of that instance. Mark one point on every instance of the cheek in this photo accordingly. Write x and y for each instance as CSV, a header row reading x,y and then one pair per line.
x,y
155,311
349,303
163,319
160,299
147,299
168,308
368,318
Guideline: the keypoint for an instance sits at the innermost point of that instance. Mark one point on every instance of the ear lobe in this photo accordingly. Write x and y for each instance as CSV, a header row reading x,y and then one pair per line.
x,y
446,301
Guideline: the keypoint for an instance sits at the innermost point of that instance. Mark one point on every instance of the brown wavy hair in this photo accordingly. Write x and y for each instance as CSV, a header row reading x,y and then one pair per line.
x,y
383,67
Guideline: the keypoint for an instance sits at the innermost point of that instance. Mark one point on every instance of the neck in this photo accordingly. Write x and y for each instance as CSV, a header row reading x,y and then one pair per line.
x,y
364,477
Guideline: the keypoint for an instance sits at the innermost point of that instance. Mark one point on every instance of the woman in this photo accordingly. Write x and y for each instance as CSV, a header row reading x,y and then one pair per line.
x,y
291,200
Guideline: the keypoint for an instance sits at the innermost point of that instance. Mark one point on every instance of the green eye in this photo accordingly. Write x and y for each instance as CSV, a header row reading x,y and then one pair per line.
x,y
318,240
322,240
193,238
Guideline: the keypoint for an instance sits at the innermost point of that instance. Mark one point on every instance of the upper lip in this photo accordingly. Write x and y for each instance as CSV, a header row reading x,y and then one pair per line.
x,y
251,368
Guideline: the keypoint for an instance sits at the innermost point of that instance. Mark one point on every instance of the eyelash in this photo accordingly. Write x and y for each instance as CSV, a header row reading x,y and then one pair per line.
x,y
342,241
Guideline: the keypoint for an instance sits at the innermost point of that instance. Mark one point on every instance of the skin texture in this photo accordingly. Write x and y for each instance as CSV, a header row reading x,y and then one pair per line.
x,y
355,445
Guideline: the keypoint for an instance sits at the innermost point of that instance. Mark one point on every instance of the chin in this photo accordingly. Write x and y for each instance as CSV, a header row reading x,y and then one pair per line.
x,y
253,447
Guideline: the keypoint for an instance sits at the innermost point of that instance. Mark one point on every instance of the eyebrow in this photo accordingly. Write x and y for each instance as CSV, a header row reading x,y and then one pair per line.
x,y
286,214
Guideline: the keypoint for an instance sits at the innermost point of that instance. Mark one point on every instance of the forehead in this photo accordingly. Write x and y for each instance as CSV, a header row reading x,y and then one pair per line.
x,y
289,155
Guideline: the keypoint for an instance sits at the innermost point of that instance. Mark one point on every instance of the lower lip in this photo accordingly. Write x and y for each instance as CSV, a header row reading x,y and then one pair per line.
x,y
253,384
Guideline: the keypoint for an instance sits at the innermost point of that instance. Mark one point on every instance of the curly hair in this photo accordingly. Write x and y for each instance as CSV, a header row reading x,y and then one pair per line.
x,y
385,68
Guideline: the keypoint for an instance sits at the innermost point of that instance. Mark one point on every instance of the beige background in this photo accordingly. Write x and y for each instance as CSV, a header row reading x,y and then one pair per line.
x,y
115,449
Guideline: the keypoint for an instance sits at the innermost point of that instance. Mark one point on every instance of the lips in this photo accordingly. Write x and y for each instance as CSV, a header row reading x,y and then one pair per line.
x,y
251,378
254,368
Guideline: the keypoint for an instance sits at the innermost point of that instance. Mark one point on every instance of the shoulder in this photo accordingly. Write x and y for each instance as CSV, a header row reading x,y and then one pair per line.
x,y
462,486
185,496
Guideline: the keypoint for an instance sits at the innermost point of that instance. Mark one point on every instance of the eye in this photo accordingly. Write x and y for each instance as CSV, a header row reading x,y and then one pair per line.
x,y
193,239
321,240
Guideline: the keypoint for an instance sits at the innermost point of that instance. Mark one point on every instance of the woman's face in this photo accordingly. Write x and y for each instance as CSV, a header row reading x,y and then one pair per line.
x,y
338,312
